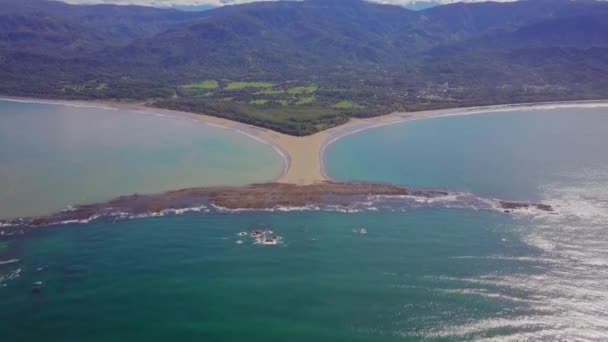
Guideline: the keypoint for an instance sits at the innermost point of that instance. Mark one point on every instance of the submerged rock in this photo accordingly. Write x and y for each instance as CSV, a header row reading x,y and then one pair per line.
x,y
37,287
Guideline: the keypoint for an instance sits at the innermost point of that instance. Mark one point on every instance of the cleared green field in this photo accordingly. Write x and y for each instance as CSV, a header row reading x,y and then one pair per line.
x,y
270,91
204,85
311,89
279,106
245,85
277,114
259,102
347,105
305,101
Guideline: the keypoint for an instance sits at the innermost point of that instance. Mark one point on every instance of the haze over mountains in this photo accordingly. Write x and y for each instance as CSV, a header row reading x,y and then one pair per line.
x,y
383,57
205,6
197,5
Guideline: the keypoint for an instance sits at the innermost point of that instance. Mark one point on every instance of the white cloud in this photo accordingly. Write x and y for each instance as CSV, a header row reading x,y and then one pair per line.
x,y
162,3
170,3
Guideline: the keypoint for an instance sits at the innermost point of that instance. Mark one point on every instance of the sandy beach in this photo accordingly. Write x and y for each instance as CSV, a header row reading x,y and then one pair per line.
x,y
304,156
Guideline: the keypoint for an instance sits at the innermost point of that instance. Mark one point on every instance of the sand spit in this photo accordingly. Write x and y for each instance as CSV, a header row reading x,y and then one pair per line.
x,y
304,156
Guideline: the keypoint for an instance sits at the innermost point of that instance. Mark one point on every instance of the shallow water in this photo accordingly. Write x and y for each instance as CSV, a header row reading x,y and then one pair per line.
x,y
507,154
52,156
434,273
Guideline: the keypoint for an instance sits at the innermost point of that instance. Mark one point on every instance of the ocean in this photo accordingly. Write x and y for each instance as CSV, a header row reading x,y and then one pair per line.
x,y
442,272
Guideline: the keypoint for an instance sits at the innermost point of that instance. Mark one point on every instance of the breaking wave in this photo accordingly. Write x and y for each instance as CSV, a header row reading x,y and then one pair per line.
x,y
373,203
568,300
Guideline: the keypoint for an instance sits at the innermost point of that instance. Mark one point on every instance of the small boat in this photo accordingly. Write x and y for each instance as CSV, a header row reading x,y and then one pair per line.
x,y
242,234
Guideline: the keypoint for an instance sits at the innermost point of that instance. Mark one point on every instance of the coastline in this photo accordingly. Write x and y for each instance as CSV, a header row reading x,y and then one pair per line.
x,y
304,157
253,132
355,125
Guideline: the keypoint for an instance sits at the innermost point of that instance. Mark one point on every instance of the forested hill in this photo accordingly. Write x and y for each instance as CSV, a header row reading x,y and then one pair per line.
x,y
303,66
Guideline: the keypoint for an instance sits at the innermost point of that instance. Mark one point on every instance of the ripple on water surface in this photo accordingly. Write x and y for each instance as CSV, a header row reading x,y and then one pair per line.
x,y
422,272
556,156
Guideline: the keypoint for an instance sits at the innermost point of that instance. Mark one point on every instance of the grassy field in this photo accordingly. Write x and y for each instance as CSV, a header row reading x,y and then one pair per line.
x,y
289,107
259,102
245,85
305,101
347,105
311,89
204,85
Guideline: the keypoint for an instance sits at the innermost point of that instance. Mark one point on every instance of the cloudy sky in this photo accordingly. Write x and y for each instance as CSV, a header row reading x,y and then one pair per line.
x,y
170,3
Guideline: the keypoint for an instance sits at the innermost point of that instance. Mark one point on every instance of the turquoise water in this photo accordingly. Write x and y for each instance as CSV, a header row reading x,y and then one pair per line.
x,y
185,277
433,273
508,154
52,156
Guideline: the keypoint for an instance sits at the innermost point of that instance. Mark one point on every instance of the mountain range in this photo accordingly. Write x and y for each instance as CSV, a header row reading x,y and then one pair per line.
x,y
361,58
415,5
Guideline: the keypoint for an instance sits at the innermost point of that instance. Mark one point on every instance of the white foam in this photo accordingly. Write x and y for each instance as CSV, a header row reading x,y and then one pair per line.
x,y
510,258
273,209
180,211
12,275
11,261
568,299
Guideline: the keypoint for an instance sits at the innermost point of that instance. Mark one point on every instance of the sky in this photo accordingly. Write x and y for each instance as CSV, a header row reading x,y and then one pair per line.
x,y
173,3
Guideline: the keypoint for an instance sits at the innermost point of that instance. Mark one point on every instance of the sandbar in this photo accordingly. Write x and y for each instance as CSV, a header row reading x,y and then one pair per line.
x,y
303,157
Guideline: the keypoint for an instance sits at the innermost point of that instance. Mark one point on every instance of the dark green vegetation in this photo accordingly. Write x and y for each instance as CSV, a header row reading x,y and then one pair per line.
x,y
287,107
299,67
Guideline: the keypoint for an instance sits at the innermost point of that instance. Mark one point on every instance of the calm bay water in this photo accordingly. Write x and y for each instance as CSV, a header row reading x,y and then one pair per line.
x,y
510,154
52,156
436,274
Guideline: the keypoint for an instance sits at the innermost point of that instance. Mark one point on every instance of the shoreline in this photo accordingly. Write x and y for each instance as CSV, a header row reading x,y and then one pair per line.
x,y
356,125
304,158
252,132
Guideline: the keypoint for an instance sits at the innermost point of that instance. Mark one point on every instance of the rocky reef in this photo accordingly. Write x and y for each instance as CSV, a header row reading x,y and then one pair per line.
x,y
266,196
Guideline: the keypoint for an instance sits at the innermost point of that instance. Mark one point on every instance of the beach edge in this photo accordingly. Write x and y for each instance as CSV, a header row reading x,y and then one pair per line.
x,y
305,157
